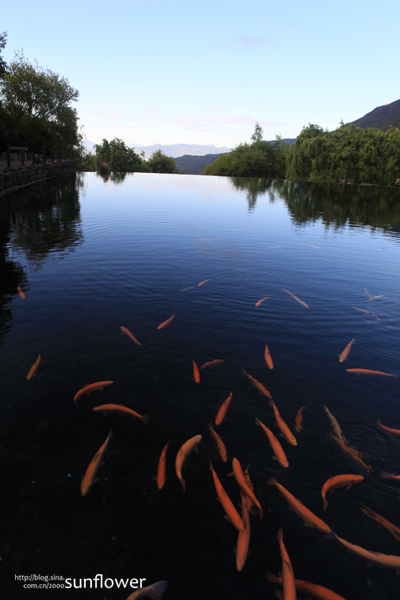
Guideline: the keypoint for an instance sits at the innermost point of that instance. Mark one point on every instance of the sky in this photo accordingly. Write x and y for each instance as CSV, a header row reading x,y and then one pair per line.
x,y
205,72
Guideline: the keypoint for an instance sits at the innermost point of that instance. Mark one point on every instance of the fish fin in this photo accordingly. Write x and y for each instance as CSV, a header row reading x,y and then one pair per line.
x,y
231,474
146,419
158,590
273,578
228,519
154,477
254,510
196,449
95,480
279,595
218,500
330,535
258,422
347,487
271,481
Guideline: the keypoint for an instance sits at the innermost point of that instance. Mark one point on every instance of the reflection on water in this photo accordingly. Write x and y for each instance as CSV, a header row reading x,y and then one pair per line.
x,y
100,255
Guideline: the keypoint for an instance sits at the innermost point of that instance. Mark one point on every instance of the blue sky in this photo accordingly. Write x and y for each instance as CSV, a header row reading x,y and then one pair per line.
x,y
205,72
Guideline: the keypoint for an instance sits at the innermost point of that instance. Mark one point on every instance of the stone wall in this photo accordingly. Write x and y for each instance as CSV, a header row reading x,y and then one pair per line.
x,y
15,179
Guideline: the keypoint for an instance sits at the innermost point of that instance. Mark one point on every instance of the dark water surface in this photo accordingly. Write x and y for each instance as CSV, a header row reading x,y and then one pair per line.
x,y
92,256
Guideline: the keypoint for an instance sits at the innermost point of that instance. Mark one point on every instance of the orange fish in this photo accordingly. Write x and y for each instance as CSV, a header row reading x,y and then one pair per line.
x,y
155,591
287,434
185,450
243,542
296,298
299,419
368,372
242,483
219,443
318,592
93,387
203,282
335,426
222,411
232,514
89,477
346,351
309,518
389,475
166,322
249,502
162,463
217,361
388,561
395,531
362,310
262,300
196,373
389,429
129,334
258,385
288,581
338,481
277,449
268,358
120,408
33,368
21,293
353,452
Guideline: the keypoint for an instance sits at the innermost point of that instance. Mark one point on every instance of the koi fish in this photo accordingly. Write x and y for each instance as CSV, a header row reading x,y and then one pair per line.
x,y
258,385
287,434
186,289
309,245
309,518
33,368
211,363
154,591
395,531
196,373
21,293
93,387
249,502
368,372
219,443
338,481
203,282
288,581
346,351
166,322
296,298
243,542
242,483
373,297
120,408
299,419
277,449
335,425
129,334
232,514
262,300
388,561
362,310
389,429
353,452
185,450
389,475
162,463
89,477
222,411
268,358
310,589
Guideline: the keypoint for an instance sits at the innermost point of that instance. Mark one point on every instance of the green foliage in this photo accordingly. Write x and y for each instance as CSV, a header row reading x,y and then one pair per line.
x,y
118,156
3,64
35,109
348,153
87,162
160,163
259,159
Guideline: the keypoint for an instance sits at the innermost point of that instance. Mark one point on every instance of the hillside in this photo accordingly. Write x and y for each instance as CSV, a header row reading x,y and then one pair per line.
x,y
194,165
381,117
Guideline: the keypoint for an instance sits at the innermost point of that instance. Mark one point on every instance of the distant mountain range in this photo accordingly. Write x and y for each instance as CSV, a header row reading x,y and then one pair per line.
x,y
176,150
381,117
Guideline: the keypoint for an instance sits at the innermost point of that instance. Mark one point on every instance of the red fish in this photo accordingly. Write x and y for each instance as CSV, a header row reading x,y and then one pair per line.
x,y
258,385
21,293
318,592
243,538
299,419
395,531
129,334
268,358
166,322
93,387
369,372
185,450
262,300
232,513
280,455
222,411
338,481
211,363
162,463
203,282
89,477
388,561
288,581
196,373
154,591
219,443
389,429
120,408
296,298
287,434
242,483
346,351
33,368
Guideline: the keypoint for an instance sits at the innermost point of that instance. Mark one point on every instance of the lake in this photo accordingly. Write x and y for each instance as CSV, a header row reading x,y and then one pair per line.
x,y
93,255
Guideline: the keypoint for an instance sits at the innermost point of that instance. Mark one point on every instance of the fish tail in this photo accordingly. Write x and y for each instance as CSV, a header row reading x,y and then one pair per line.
x,y
158,590
272,481
146,419
110,435
258,422
280,536
271,402
325,503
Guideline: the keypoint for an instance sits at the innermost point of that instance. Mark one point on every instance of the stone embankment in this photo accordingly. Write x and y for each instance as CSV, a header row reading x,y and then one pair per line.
x,y
12,180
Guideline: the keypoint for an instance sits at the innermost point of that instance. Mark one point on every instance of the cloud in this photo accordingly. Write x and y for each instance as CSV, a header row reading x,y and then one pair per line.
x,y
251,42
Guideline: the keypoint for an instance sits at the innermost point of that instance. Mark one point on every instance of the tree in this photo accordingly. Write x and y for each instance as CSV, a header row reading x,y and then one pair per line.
x,y
118,156
258,134
3,65
160,163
